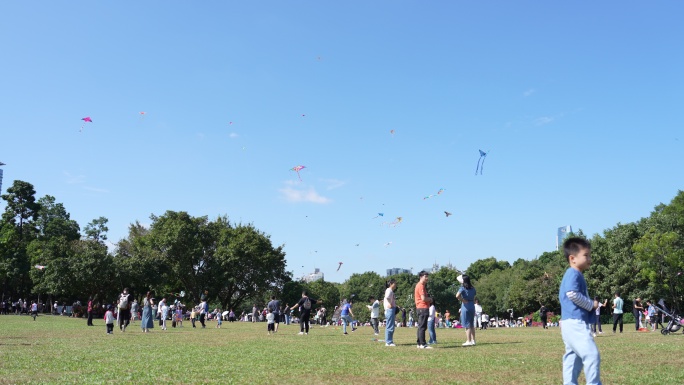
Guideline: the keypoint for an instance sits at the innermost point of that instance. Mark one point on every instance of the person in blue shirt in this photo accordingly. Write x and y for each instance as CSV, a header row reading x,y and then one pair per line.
x,y
651,314
577,315
346,316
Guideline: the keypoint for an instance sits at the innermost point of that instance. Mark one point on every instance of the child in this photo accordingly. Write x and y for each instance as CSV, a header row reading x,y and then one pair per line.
x,y
432,313
651,314
34,310
577,314
179,316
219,319
193,314
109,320
270,318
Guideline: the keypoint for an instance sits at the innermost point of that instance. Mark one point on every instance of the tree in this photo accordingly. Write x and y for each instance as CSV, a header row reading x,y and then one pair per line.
x,y
247,265
22,207
358,288
97,229
663,257
442,287
482,267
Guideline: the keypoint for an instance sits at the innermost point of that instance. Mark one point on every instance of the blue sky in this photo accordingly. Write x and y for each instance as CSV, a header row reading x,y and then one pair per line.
x,y
579,105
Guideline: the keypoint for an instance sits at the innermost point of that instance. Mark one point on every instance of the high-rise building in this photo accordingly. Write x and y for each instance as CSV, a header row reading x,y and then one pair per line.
x,y
562,233
397,270
315,276
1,164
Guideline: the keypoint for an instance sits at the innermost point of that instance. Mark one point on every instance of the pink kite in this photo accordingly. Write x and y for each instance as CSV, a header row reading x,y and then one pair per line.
x,y
297,169
85,120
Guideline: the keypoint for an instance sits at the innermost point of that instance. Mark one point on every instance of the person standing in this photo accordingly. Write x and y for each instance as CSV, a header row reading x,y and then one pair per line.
x,y
274,307
432,312
597,319
651,314
637,309
390,311
374,308
90,311
403,317
422,301
287,314
147,320
164,312
577,314
543,311
305,305
204,309
134,310
617,311
109,320
466,294
478,314
124,316
255,313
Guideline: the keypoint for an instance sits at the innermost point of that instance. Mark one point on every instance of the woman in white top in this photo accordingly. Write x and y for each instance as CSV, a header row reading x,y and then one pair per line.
x,y
390,311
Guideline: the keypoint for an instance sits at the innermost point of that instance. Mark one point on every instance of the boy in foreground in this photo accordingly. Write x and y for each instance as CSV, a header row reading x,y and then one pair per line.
x,y
577,315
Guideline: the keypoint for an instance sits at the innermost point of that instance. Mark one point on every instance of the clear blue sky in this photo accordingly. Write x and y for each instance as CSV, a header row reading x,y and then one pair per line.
x,y
579,104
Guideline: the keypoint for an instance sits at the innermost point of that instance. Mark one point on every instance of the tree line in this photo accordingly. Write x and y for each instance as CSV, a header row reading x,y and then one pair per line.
x,y
43,252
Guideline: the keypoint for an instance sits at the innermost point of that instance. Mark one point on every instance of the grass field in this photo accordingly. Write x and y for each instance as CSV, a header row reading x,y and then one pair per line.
x,y
56,349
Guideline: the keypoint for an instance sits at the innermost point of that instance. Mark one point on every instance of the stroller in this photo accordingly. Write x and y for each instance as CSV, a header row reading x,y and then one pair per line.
x,y
676,322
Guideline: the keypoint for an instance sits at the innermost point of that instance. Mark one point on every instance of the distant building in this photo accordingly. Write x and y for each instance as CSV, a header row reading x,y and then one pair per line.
x,y
562,233
397,270
436,267
315,276
1,164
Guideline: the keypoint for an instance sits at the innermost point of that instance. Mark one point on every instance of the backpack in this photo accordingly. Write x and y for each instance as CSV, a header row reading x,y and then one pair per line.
x,y
123,301
307,304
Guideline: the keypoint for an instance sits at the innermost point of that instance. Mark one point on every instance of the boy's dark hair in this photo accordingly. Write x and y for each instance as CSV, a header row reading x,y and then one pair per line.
x,y
371,298
422,273
390,282
573,245
273,297
305,293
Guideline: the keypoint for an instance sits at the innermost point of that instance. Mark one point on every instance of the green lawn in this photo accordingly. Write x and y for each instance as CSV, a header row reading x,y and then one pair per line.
x,y
56,349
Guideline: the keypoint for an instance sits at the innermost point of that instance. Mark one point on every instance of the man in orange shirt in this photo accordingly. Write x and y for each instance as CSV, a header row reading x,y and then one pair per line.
x,y
422,308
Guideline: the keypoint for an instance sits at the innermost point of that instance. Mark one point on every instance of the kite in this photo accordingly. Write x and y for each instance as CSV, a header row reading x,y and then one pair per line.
x,y
85,120
39,267
434,195
395,222
338,266
379,215
297,169
483,156
392,132
447,214
388,243
142,115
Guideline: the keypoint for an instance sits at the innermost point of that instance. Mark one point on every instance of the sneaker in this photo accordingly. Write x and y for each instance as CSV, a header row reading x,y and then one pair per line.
x,y
420,347
306,334
600,332
301,333
593,334
471,344
467,343
353,329
390,344
427,347
345,333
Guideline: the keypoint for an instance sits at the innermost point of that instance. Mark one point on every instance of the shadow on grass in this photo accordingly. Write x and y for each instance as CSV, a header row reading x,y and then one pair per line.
x,y
480,344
